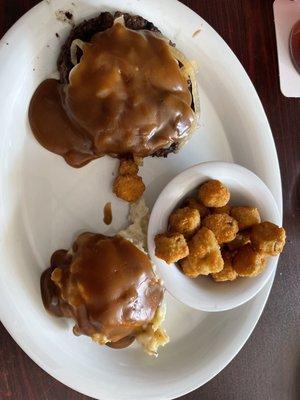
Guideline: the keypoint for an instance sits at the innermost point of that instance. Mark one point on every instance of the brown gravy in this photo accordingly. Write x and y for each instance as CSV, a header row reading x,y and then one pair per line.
x,y
107,214
106,285
127,95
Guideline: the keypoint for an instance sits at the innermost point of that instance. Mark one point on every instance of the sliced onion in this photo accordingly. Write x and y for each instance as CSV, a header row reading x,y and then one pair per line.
x,y
120,20
189,71
73,50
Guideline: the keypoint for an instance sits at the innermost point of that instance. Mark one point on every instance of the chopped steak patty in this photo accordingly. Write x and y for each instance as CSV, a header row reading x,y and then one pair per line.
x,y
86,29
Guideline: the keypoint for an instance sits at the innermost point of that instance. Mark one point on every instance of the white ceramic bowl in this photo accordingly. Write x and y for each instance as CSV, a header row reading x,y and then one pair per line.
x,y
246,188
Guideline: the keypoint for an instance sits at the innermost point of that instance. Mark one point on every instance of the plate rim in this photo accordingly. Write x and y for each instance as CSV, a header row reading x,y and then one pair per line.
x,y
264,296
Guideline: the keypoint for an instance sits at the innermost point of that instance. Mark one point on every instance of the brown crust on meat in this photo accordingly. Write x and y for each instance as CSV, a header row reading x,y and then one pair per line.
x,y
165,152
86,29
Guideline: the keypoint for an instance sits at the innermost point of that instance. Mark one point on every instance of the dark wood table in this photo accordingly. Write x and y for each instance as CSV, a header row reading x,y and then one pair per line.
x,y
268,367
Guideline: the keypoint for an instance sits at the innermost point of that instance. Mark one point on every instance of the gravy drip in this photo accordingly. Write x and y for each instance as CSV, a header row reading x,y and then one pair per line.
x,y
107,214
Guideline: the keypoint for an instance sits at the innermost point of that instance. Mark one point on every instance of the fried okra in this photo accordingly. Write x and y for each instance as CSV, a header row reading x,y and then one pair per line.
x,y
248,262
239,241
224,241
268,238
128,167
205,255
214,194
193,203
227,273
171,247
184,220
129,187
221,210
223,226
245,216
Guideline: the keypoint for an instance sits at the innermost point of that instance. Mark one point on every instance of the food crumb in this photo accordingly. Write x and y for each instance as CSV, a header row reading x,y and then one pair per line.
x,y
69,15
57,35
33,69
65,16
197,32
7,44
48,45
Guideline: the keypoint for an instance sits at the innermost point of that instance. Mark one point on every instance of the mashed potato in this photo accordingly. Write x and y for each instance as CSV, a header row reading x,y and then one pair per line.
x,y
153,335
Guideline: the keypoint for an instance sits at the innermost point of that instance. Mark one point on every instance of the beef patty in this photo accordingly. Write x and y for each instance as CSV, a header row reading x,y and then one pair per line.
x,y
86,29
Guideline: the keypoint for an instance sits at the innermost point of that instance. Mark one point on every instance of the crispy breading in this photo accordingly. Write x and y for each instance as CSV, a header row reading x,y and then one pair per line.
x,y
193,203
268,238
245,216
128,167
214,194
184,220
129,187
205,255
223,226
248,262
221,210
239,241
227,273
171,247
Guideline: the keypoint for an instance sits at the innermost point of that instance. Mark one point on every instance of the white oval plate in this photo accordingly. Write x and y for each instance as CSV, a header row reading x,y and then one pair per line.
x,y
44,202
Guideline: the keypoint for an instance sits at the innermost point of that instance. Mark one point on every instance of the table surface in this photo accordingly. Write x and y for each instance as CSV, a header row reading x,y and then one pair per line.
x,y
268,367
